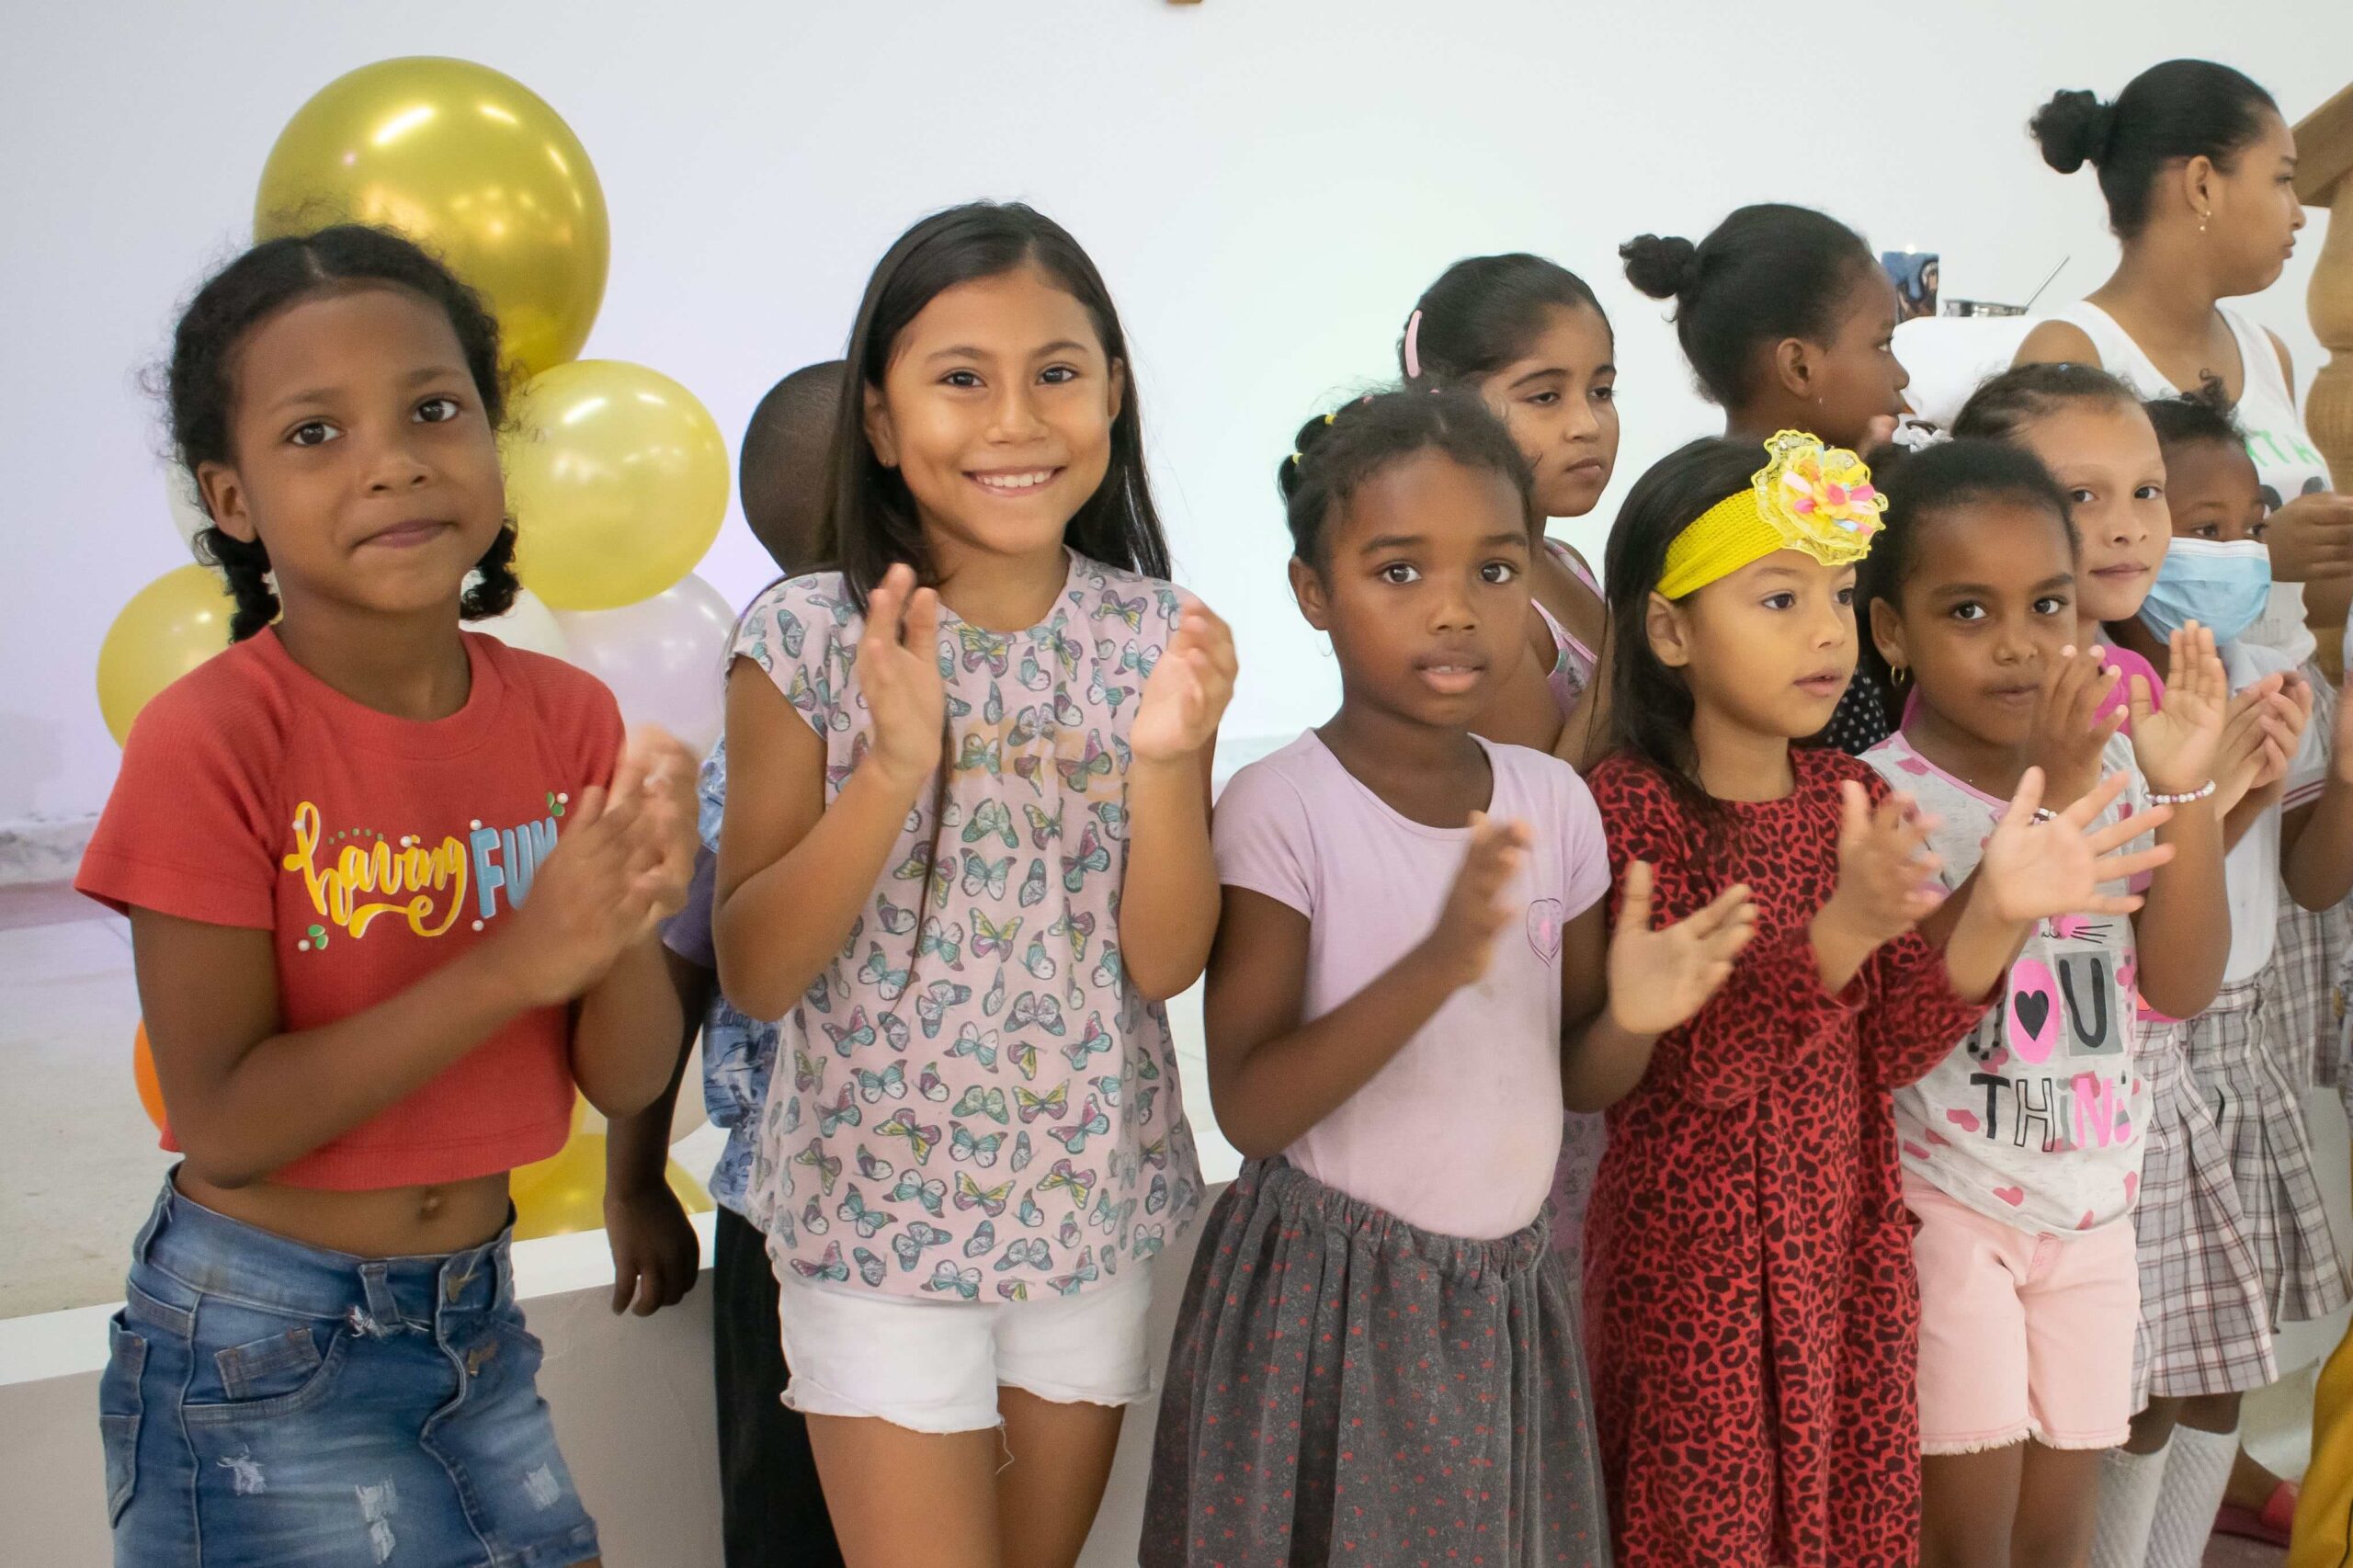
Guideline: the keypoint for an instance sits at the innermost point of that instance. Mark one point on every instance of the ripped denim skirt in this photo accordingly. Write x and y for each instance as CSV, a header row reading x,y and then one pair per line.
x,y
268,1402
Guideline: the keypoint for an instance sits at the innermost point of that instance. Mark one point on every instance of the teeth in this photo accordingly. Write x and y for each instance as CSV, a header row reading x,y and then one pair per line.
x,y
1016,480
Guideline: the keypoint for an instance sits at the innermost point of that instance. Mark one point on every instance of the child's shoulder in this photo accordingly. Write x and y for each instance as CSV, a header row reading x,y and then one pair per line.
x,y
558,693
1539,776
1299,770
812,597
240,702
1098,590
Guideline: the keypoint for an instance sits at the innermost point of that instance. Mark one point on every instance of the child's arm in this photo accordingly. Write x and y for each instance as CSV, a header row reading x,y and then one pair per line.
x,y
793,871
248,1097
1271,1077
655,1252
1168,905
2316,840
2184,929
1620,990
617,1023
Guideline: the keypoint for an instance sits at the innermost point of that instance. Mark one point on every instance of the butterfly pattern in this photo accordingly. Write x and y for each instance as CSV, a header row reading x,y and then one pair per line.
x,y
991,936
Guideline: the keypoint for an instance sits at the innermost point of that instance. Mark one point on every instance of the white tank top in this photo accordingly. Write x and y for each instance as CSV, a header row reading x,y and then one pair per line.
x,y
2286,462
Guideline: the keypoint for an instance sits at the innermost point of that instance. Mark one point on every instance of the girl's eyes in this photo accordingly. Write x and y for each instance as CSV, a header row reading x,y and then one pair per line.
x,y
312,433
2206,530
2258,531
1968,611
965,378
1607,395
1057,375
1780,601
2150,492
1846,596
2081,497
447,405
1400,573
1497,573
2052,604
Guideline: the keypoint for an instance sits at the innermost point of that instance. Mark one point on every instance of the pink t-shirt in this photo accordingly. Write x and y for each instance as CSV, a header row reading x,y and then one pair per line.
x,y
1458,1134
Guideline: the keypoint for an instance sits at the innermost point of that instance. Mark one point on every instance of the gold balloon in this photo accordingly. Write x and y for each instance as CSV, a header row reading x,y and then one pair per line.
x,y
617,478
472,165
565,1192
172,625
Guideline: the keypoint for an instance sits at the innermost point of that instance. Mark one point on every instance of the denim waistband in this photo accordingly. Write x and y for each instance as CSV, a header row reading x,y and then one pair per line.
x,y
213,1255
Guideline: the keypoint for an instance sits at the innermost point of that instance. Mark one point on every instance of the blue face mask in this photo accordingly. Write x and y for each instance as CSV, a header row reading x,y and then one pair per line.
x,y
2222,585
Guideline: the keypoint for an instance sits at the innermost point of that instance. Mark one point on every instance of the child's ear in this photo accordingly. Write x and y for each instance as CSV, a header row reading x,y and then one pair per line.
x,y
224,498
1887,635
1307,587
1793,368
1668,630
1119,393
878,432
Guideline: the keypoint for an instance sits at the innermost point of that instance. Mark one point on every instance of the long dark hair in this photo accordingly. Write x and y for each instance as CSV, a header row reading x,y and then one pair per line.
x,y
870,522
2180,109
1649,704
200,390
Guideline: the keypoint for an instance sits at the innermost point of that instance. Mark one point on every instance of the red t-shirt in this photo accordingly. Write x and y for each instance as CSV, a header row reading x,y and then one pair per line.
x,y
373,849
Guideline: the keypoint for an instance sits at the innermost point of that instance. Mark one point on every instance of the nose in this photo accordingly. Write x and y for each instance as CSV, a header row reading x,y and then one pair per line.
x,y
394,463
1584,422
1834,626
1453,609
1013,414
1903,376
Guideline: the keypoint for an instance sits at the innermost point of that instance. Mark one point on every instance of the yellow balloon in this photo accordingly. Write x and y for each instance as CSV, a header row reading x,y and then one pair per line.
x,y
565,1192
172,625
617,478
472,165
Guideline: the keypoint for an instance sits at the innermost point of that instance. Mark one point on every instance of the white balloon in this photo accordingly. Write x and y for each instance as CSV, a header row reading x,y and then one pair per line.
x,y
528,625
665,658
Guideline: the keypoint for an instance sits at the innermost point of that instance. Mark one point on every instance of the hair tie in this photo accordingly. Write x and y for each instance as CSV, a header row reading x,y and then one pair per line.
x,y
1414,346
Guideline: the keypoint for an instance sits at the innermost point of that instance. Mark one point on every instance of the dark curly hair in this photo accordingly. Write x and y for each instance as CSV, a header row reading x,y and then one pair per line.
x,y
2005,405
2180,109
2191,417
200,380
1334,454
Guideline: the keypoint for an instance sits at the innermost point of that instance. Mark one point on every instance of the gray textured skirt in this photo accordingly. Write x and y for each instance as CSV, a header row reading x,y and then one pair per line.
x,y
1345,1387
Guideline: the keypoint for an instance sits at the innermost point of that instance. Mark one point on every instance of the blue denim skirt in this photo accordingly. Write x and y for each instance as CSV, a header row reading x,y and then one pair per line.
x,y
267,1403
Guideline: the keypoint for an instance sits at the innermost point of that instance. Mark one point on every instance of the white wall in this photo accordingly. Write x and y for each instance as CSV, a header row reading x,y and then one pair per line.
x,y
1266,183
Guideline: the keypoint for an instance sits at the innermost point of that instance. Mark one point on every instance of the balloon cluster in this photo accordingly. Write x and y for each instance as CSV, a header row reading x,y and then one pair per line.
x,y
616,475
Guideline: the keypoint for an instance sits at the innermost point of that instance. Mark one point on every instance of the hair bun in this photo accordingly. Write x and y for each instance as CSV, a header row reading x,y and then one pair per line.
x,y
2072,129
1662,268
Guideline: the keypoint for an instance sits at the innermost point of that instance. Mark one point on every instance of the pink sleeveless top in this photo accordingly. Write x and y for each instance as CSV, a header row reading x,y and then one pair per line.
x,y
1573,663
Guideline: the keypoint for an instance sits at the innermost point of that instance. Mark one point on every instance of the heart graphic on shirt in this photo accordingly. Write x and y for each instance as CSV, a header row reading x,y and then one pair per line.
x,y
2013,1195
1940,1140
2034,1011
1545,927
1964,1119
1996,1058
2125,971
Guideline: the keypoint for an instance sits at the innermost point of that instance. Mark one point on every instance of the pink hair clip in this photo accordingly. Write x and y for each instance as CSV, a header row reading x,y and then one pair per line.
x,y
1414,346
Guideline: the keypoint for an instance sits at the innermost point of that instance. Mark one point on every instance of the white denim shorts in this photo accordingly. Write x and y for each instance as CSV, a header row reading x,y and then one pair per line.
x,y
936,1366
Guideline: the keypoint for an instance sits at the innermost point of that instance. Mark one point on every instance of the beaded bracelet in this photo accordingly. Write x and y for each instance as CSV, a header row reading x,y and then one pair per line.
x,y
2201,792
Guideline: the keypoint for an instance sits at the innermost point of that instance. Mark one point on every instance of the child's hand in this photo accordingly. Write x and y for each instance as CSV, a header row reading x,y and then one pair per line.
x,y
1658,979
1476,911
2311,537
2068,735
1187,690
2035,868
1887,878
591,898
656,770
2259,735
898,668
2175,746
655,1252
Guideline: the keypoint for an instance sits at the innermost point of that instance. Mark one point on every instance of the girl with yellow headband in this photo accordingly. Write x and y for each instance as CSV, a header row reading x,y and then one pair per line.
x,y
1751,1306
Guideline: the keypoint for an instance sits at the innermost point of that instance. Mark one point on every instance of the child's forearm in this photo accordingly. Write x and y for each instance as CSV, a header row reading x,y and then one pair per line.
x,y
1168,904
779,929
2316,849
1288,1083
1603,1064
637,1147
1981,946
624,1033
1839,951
2183,932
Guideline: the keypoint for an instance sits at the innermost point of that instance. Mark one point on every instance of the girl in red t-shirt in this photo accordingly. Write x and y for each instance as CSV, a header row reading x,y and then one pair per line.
x,y
372,973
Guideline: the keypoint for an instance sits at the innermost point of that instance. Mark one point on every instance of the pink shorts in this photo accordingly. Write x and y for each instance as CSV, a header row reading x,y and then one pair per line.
x,y
2022,1333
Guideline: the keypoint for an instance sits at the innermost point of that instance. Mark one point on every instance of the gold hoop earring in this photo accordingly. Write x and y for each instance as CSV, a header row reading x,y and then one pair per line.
x,y
1899,677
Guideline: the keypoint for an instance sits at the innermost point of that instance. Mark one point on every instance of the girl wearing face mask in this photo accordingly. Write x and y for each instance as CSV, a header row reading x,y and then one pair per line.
x,y
2248,1052
2196,163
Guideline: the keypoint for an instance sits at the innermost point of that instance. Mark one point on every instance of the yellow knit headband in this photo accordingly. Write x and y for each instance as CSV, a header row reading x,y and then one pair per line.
x,y
1807,496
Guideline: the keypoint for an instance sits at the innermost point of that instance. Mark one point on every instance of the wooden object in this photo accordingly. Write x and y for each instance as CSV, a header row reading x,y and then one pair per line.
x,y
2324,179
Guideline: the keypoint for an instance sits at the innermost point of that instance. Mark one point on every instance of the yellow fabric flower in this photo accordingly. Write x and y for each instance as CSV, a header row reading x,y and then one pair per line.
x,y
1807,497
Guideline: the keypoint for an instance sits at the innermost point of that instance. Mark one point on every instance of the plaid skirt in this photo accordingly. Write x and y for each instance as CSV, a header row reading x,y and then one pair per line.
x,y
2300,985
2235,1055
2205,1320
1345,1387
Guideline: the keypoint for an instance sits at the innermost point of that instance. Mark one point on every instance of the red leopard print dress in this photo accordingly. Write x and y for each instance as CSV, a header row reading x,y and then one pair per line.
x,y
1753,1314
